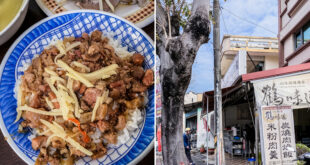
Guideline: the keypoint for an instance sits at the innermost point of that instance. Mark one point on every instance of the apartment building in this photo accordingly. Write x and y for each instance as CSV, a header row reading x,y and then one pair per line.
x,y
294,32
246,54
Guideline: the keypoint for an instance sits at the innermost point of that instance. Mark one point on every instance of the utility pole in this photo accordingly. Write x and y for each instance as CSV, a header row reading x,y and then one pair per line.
x,y
220,158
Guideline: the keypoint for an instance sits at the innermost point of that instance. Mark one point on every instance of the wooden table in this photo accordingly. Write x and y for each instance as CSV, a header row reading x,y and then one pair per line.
x,y
35,14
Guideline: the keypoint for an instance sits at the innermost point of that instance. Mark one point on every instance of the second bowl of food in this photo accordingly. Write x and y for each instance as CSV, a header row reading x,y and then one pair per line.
x,y
12,15
78,88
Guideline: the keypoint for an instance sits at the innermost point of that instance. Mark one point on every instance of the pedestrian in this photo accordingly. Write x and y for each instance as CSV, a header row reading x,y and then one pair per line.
x,y
187,145
250,132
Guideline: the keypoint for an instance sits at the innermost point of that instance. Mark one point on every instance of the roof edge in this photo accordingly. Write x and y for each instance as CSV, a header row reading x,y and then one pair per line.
x,y
275,72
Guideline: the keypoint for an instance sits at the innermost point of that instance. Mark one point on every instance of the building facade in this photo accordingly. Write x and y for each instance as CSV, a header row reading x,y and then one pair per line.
x,y
294,32
240,55
192,107
195,120
246,54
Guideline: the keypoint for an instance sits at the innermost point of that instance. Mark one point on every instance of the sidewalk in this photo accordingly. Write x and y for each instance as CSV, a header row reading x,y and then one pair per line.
x,y
236,160
200,159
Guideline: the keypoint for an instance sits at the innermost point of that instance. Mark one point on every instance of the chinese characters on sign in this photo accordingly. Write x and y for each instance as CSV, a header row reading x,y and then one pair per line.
x,y
271,96
293,90
278,134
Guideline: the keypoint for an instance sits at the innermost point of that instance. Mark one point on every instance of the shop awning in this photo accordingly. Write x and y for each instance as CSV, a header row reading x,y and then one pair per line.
x,y
192,106
276,72
208,97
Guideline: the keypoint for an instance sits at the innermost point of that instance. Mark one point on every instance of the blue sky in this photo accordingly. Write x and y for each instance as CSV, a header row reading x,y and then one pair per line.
x,y
261,12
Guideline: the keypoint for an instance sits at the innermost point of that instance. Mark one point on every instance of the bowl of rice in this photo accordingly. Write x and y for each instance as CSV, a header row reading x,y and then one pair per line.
x,y
74,89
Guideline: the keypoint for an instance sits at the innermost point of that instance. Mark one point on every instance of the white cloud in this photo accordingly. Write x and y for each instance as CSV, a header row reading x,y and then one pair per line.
x,y
261,12
270,22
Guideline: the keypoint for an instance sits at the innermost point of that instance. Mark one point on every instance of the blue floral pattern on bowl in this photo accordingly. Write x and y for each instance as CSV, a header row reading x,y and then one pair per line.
x,y
35,39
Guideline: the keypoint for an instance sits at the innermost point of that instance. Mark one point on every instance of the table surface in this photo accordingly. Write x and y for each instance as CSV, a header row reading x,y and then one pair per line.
x,y
35,14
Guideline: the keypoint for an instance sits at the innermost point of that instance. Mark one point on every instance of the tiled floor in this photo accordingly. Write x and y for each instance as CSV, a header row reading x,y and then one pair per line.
x,y
236,160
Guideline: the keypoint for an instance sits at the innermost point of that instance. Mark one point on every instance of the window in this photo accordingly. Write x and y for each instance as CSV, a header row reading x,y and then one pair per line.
x,y
298,40
307,33
302,36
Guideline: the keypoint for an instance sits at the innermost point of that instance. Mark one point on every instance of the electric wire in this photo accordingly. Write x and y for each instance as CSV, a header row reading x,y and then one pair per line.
x,y
245,20
223,20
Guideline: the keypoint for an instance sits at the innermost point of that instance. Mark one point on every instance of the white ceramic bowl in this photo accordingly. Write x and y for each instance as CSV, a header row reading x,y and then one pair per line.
x,y
13,26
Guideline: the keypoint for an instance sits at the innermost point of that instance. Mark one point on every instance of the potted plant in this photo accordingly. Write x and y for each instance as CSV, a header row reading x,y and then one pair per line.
x,y
301,149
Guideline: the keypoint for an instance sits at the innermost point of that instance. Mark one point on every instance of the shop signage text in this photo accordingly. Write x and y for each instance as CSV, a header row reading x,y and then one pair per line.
x,y
294,91
278,135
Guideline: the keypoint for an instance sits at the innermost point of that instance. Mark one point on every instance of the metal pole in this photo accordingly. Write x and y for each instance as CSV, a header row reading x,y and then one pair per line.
x,y
220,158
256,136
207,130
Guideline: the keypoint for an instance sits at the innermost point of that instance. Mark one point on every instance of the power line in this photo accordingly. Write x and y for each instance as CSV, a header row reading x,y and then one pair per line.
x,y
223,20
243,19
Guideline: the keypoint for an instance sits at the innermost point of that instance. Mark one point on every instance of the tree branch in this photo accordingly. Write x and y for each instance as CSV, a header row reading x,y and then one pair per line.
x,y
198,25
173,7
196,32
161,30
175,25
161,19
181,8
169,21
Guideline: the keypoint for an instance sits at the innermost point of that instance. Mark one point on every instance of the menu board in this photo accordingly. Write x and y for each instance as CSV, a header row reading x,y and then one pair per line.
x,y
278,135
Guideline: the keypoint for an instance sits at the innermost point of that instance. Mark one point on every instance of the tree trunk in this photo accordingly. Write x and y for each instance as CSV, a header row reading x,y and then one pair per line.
x,y
177,55
172,142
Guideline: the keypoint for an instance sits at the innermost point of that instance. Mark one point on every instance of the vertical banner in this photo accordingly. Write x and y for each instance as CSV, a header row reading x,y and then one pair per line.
x,y
278,135
158,90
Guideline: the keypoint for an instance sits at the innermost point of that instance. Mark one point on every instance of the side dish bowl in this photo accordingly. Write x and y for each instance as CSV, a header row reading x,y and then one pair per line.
x,y
14,25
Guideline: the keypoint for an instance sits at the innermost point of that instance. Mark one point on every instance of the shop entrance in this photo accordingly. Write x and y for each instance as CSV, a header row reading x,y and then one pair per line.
x,y
302,125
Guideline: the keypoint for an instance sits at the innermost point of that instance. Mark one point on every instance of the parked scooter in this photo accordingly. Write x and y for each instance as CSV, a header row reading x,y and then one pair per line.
x,y
305,157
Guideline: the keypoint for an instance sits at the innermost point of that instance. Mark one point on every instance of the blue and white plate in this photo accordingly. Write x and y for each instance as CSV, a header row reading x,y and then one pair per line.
x,y
33,41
